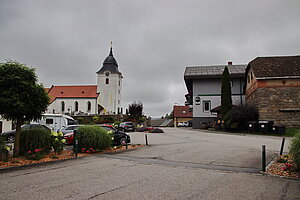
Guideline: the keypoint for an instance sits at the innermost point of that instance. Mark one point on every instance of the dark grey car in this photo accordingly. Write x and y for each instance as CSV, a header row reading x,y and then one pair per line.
x,y
10,135
127,126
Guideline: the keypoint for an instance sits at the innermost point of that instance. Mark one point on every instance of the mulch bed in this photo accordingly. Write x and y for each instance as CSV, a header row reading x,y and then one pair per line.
x,y
66,154
280,167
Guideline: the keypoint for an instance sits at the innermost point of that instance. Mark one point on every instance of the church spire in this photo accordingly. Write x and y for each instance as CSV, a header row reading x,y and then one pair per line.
x,y
111,53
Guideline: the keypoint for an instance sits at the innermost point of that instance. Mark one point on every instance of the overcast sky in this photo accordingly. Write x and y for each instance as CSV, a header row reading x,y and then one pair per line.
x,y
153,41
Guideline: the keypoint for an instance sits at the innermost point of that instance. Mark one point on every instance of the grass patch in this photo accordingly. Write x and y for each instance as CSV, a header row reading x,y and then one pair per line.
x,y
291,132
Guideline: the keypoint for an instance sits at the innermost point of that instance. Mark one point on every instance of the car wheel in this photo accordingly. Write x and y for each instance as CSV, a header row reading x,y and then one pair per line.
x,y
11,139
123,141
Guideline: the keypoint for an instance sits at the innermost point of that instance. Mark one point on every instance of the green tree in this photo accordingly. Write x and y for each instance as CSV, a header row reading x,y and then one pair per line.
x,y
226,101
21,97
136,110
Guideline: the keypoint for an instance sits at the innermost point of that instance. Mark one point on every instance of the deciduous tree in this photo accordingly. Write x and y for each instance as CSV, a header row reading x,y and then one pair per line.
x,y
21,97
136,110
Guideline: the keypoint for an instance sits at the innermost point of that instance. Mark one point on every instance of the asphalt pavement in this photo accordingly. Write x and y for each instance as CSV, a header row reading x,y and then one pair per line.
x,y
178,164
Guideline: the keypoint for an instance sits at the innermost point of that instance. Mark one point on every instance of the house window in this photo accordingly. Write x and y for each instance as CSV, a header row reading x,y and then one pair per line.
x,y
62,106
118,101
107,81
76,106
119,83
206,106
119,92
89,106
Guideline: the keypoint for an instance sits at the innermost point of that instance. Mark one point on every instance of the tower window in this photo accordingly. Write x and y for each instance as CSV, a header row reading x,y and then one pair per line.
x,y
107,81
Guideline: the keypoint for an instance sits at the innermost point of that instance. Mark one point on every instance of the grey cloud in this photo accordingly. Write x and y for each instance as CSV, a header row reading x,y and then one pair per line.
x,y
153,41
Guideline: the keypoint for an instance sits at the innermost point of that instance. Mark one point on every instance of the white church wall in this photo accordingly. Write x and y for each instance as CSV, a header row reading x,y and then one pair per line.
x,y
56,105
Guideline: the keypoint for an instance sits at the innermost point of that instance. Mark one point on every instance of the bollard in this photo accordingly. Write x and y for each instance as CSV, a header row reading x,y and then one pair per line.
x,y
146,138
75,143
282,146
264,158
126,138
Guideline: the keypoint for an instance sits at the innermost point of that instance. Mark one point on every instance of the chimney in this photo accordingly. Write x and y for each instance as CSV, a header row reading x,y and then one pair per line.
x,y
229,63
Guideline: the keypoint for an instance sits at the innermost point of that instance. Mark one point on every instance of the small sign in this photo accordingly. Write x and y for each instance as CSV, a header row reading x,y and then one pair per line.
x,y
197,100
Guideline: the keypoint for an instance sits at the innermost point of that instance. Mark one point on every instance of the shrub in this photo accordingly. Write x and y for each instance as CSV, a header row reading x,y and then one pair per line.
x,y
93,137
37,154
31,140
295,149
156,130
84,120
238,116
101,120
57,142
4,149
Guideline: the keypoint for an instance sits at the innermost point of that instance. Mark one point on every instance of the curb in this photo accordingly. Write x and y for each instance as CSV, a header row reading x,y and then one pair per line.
x,y
21,167
16,168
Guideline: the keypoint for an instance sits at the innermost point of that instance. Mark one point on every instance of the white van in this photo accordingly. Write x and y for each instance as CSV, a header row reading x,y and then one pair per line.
x,y
55,121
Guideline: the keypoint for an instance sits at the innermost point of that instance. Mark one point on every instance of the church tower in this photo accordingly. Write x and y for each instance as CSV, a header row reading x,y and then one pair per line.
x,y
109,87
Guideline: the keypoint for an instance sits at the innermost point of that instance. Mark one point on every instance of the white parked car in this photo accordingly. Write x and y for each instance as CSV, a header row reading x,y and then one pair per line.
x,y
183,124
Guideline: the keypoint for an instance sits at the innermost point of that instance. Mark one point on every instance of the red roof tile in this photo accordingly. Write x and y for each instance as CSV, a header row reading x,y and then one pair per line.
x,y
182,111
74,91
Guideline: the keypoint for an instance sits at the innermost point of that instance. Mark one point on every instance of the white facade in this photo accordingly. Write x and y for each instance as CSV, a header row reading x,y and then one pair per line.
x,y
5,125
73,106
110,88
103,98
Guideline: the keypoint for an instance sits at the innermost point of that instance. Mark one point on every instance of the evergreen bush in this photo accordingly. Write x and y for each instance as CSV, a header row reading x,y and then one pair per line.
x,y
295,149
238,116
84,120
31,140
93,137
226,101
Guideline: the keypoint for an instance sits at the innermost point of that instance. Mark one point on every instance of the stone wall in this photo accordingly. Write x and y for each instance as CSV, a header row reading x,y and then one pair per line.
x,y
278,104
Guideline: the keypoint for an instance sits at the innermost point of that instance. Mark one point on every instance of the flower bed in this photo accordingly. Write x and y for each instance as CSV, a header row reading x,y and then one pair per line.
x,y
66,154
284,166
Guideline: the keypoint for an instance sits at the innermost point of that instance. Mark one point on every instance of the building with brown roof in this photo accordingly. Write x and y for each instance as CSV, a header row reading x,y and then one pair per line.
x,y
273,85
204,83
182,114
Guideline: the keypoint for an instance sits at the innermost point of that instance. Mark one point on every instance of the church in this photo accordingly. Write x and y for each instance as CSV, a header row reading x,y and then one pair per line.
x,y
103,98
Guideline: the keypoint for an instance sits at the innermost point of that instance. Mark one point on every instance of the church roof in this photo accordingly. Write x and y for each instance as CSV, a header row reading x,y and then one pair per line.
x,y
109,64
73,91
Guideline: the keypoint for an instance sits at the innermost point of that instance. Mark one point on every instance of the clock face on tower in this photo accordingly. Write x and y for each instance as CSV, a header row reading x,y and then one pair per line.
x,y
106,73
